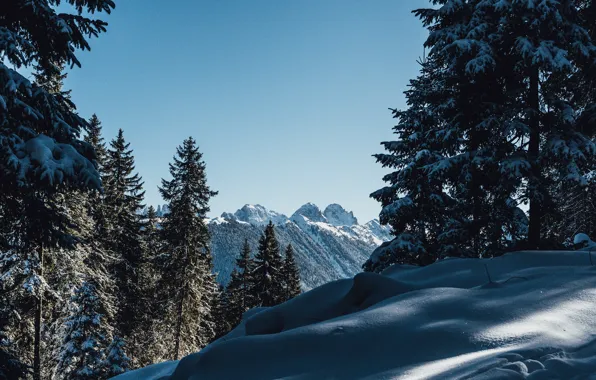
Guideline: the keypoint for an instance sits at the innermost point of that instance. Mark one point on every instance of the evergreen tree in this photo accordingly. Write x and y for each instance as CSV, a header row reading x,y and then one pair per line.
x,y
219,309
185,264
531,54
238,291
291,275
96,203
95,139
267,288
34,120
11,367
123,203
87,338
415,203
116,362
492,122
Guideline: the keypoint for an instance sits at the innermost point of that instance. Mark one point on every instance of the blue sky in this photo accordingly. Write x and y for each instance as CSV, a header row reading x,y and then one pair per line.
x,y
288,99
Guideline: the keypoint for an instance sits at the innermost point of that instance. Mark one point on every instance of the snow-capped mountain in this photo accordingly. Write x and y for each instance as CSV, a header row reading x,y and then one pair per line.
x,y
329,244
256,215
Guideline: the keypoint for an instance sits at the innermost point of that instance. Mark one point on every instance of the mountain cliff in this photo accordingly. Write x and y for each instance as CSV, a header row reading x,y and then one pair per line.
x,y
329,244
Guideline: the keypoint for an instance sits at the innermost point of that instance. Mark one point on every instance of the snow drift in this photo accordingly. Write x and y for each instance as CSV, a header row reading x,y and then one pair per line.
x,y
526,315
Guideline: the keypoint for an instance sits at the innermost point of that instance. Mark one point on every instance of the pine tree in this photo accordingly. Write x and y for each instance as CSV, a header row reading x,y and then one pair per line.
x,y
492,122
97,205
290,275
123,202
267,288
531,54
35,121
116,362
219,309
185,264
415,203
238,291
95,139
87,338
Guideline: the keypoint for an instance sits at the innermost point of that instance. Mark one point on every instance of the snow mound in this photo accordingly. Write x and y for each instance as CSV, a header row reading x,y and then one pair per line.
x,y
525,315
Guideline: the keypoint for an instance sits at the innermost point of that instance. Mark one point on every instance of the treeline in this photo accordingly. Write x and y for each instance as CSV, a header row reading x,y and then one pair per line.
x,y
502,114
267,279
89,286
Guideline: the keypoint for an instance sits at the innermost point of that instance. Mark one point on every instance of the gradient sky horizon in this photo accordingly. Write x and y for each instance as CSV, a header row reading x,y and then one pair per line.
x,y
287,100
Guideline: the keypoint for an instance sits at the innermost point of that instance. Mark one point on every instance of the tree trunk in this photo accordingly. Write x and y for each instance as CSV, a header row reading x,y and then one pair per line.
x,y
38,320
179,326
533,151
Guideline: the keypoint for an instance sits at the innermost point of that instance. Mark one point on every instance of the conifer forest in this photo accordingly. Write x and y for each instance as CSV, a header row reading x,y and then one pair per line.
x,y
493,158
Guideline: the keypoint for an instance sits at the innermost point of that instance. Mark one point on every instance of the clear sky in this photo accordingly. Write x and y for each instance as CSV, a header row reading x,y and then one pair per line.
x,y
288,99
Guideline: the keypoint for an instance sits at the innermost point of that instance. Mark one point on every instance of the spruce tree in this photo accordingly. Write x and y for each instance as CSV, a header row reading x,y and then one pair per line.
x,y
414,203
88,336
36,121
494,115
219,310
123,202
525,59
291,275
185,264
95,138
97,204
267,286
238,291
116,362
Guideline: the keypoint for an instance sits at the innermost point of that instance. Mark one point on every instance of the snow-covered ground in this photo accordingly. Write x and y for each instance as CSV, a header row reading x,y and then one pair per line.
x,y
526,315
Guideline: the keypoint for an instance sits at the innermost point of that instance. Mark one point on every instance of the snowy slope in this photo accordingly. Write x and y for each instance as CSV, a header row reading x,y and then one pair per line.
x,y
534,319
329,245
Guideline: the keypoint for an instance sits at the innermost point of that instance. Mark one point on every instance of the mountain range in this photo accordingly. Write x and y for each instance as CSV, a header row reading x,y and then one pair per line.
x,y
329,244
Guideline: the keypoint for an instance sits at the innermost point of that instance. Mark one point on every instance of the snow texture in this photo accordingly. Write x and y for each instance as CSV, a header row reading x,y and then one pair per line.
x,y
525,315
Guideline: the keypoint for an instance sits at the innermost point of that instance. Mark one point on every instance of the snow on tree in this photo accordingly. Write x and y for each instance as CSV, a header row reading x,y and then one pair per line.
x,y
492,121
532,54
40,150
267,275
88,336
415,202
116,361
35,120
186,281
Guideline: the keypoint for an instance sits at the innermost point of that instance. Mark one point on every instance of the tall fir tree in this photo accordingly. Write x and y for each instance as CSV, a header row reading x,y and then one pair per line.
x,y
35,120
526,56
97,204
499,119
94,137
290,274
414,203
123,203
185,264
267,286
